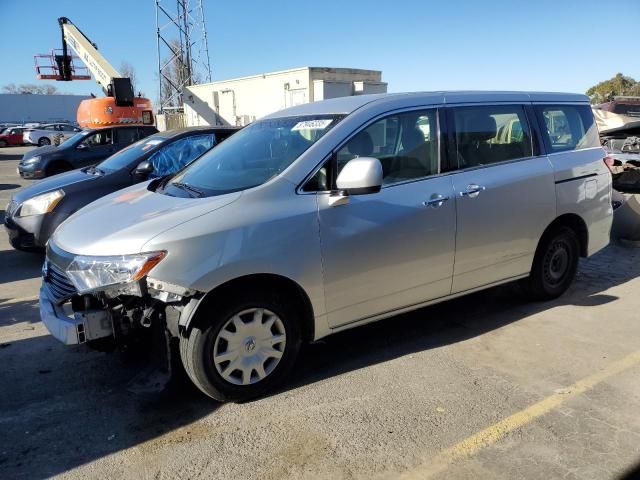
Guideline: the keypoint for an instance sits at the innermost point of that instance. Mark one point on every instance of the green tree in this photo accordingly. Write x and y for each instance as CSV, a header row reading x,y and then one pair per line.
x,y
616,86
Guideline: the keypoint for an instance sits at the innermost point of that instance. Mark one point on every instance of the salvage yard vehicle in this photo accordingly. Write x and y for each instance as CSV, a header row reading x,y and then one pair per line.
x,y
35,211
47,134
83,149
329,215
11,136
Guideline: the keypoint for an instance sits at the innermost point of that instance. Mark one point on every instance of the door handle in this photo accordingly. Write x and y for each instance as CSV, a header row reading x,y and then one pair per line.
x,y
472,190
436,200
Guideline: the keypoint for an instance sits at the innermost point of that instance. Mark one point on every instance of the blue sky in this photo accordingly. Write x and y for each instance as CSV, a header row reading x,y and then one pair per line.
x,y
419,45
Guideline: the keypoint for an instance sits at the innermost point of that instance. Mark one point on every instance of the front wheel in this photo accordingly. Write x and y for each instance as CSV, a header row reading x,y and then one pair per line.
x,y
554,265
241,349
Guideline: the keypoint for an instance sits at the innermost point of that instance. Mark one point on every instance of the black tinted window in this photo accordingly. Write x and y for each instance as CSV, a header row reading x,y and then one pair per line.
x,y
568,127
490,134
125,136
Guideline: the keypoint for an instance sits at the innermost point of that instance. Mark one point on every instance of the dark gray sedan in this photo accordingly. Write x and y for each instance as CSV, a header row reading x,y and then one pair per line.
x,y
35,211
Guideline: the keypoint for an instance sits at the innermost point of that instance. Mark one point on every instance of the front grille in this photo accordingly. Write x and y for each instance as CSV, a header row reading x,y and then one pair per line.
x,y
58,282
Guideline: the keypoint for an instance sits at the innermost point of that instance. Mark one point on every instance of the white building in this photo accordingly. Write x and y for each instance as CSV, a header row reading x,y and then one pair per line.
x,y
240,101
24,108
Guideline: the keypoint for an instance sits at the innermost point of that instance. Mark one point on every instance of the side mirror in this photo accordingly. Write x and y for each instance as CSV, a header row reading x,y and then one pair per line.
x,y
360,176
82,146
144,168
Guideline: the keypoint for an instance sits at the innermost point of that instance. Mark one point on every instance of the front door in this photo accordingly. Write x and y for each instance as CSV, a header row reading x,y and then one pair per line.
x,y
95,148
395,248
505,194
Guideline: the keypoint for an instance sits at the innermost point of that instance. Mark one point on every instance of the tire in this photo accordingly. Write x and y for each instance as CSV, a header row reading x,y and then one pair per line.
x,y
554,265
215,322
3,143
44,141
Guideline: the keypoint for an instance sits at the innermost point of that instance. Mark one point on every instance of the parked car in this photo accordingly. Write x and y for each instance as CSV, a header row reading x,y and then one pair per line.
x,y
11,136
83,149
35,211
47,134
330,215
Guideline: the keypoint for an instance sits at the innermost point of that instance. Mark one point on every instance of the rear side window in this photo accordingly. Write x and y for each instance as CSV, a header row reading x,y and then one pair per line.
x,y
125,136
568,127
490,134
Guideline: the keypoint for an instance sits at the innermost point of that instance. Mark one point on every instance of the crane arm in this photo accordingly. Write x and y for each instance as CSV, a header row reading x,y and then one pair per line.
x,y
102,70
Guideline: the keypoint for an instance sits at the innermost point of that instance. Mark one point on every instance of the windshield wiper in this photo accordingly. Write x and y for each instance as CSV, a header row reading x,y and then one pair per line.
x,y
189,188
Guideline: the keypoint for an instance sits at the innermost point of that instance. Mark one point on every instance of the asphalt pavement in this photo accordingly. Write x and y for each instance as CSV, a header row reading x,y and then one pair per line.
x,y
486,386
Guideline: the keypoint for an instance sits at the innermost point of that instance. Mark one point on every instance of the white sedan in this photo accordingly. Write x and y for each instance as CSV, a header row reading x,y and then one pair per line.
x,y
49,134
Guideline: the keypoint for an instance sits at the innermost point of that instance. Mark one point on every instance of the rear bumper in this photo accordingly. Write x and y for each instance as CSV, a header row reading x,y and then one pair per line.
x,y
73,329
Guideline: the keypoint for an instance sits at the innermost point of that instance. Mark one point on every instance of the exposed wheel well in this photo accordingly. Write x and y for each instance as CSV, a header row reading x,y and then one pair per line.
x,y
59,164
282,285
576,223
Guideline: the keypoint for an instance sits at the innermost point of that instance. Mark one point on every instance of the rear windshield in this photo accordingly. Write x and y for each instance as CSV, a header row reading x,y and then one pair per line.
x,y
127,156
252,156
631,109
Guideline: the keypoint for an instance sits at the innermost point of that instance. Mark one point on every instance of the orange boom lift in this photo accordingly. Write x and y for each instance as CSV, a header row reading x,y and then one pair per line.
x,y
119,107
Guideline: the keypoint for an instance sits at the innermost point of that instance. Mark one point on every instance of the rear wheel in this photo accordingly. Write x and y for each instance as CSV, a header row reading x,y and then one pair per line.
x,y
44,141
242,347
554,265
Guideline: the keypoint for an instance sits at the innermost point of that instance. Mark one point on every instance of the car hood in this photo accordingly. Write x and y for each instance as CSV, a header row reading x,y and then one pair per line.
x,y
122,222
46,150
53,183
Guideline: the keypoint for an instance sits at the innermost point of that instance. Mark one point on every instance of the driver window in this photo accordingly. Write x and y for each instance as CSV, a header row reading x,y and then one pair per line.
x,y
406,145
103,137
171,158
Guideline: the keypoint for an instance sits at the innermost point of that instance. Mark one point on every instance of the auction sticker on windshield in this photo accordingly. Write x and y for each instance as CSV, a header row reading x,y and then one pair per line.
x,y
312,125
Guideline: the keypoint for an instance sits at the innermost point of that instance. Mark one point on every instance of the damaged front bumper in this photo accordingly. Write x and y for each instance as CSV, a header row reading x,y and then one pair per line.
x,y
73,328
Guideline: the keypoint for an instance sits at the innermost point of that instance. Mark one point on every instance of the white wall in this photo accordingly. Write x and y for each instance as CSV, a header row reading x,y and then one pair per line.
x,y
21,108
241,101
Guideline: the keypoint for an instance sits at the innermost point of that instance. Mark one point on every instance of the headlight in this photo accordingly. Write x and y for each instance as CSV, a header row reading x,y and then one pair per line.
x,y
91,273
41,203
32,160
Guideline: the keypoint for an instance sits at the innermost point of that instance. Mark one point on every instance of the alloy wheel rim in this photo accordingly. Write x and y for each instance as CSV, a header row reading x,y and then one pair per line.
x,y
249,346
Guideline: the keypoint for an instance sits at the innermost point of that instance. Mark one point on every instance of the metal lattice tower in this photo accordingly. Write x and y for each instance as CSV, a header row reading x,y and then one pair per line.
x,y
183,50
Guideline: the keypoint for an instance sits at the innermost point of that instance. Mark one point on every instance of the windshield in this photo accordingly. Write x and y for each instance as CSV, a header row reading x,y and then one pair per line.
x,y
71,141
252,156
130,154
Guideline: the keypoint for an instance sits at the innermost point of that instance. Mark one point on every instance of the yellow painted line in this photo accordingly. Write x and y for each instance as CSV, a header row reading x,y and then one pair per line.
x,y
476,442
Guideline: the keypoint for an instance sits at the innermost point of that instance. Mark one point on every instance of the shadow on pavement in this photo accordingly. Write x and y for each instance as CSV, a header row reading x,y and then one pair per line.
x,y
9,186
458,320
44,431
10,156
18,312
16,265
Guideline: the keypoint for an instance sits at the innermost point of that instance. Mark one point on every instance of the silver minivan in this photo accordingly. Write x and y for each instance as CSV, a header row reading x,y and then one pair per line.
x,y
330,215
